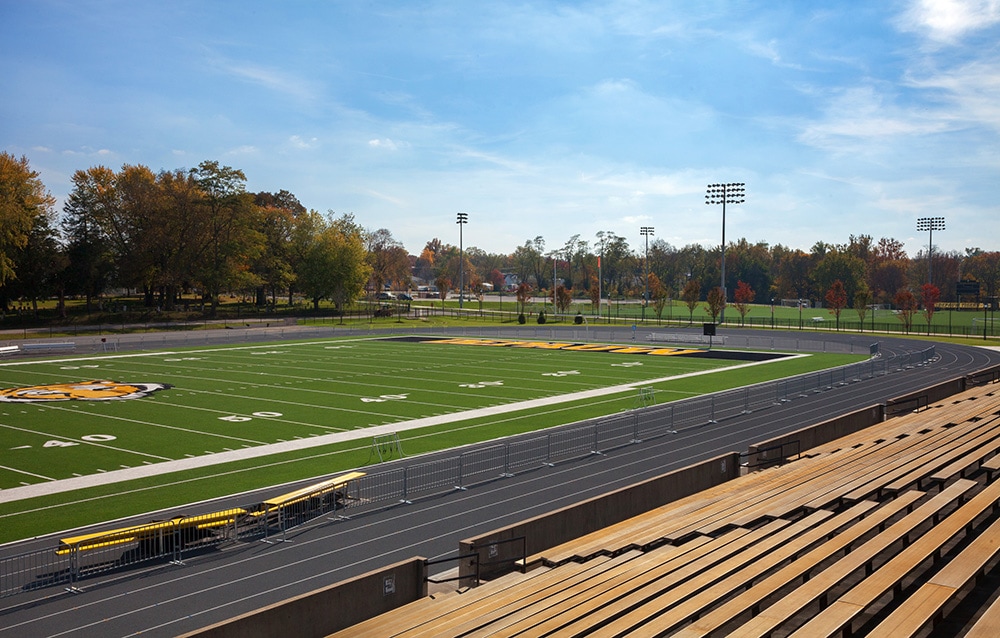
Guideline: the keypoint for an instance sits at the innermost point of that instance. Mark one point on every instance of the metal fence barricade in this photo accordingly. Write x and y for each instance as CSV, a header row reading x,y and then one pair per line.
x,y
655,421
479,466
527,454
617,431
434,477
33,570
378,488
572,443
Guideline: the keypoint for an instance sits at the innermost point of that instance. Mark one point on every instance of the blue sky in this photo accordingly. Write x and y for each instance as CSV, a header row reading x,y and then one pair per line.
x,y
545,119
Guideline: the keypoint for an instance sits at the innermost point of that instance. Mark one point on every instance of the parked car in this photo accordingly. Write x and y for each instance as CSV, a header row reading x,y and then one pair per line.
x,y
385,295
405,296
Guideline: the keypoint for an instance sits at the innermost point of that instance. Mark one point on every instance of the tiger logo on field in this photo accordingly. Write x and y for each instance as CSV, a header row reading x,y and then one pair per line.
x,y
99,390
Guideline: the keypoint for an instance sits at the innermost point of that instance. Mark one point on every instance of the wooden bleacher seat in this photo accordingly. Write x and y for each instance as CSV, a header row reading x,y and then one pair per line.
x,y
800,567
675,565
988,625
671,617
840,613
991,465
817,587
925,604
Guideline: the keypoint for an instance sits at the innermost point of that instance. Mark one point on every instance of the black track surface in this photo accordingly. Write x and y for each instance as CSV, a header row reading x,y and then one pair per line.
x,y
167,600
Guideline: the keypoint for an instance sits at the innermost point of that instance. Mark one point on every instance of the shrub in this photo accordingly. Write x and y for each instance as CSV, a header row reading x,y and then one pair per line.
x,y
521,319
541,316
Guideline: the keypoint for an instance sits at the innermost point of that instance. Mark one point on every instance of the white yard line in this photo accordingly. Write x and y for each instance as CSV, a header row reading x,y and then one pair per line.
x,y
180,465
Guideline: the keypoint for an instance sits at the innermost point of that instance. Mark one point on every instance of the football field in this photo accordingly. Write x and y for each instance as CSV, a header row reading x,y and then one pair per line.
x,y
77,417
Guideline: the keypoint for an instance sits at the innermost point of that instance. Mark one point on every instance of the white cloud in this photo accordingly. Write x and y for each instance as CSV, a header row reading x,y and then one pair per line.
x,y
948,21
297,141
859,116
273,79
384,143
972,90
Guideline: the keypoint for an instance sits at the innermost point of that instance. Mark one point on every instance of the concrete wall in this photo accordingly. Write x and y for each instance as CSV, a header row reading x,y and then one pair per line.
x,y
923,398
498,549
980,377
324,611
791,444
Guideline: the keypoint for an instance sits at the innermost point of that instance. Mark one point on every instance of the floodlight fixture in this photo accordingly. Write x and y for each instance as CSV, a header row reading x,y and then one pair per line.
x,y
729,193
646,231
463,219
930,224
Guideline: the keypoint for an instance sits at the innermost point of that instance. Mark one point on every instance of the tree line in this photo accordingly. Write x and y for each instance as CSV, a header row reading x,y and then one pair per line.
x,y
168,234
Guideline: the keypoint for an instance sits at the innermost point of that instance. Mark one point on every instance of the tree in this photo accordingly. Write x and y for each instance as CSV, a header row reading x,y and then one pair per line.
x,y
564,297
836,299
658,293
743,297
351,270
525,260
389,261
127,222
39,262
984,267
930,295
715,302
791,269
523,295
173,242
23,198
279,212
443,283
594,293
861,300
497,279
86,244
231,240
906,307
887,267
839,265
691,295
333,265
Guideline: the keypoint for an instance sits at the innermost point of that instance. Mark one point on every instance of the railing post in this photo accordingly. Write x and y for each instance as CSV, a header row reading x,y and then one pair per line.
x,y
406,486
177,544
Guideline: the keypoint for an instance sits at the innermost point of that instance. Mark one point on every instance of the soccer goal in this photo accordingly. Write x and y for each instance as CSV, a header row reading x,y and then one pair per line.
x,y
386,447
645,398
979,324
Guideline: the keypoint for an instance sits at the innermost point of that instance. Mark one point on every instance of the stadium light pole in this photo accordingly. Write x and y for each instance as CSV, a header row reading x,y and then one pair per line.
x,y
731,193
463,219
646,231
554,255
930,224
602,235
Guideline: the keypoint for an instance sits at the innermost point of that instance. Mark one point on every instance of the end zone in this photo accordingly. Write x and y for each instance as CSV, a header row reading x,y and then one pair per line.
x,y
658,351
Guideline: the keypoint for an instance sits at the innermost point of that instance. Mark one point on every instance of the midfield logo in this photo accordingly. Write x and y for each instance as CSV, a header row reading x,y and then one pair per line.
x,y
81,391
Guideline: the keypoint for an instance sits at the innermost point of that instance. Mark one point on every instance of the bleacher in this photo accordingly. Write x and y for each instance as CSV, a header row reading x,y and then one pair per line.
x,y
883,532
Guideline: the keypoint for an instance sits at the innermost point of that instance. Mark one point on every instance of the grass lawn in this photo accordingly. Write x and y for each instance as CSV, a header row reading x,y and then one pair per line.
x,y
227,398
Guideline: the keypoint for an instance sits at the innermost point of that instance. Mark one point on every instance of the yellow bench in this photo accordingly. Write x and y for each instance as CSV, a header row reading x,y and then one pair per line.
x,y
137,533
316,489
